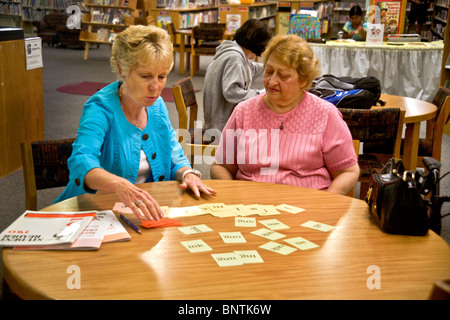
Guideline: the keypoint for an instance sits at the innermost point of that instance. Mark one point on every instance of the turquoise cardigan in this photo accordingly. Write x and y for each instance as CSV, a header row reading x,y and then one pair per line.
x,y
107,140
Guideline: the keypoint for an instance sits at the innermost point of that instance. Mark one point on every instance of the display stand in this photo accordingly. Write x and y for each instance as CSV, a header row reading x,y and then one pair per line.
x,y
21,103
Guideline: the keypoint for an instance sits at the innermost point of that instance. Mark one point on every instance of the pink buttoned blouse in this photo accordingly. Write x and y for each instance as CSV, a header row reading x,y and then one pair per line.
x,y
299,148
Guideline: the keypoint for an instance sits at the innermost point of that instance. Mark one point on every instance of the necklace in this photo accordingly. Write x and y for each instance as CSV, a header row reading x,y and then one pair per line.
x,y
122,104
288,107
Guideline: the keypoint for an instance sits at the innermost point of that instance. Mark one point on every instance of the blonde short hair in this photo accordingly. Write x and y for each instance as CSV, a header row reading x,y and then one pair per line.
x,y
295,52
141,44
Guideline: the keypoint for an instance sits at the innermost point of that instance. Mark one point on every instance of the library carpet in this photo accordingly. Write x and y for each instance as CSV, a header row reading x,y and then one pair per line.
x,y
89,88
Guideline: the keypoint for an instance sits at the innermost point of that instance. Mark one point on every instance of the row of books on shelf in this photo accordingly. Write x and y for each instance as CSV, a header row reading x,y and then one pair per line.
x,y
324,10
348,5
186,4
47,3
112,17
188,20
121,3
11,8
439,29
261,12
84,230
441,15
30,14
442,3
104,34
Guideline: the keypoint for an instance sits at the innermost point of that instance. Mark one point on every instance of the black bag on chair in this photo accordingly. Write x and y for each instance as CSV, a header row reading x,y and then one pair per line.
x,y
395,201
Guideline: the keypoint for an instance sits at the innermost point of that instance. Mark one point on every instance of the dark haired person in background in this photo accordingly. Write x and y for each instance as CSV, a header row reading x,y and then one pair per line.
x,y
229,77
355,28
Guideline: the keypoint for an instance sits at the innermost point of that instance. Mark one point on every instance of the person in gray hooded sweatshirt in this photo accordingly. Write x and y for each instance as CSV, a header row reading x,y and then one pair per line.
x,y
229,77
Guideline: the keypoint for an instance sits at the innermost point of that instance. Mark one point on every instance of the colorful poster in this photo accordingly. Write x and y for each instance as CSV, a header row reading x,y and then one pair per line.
x,y
233,22
392,15
305,26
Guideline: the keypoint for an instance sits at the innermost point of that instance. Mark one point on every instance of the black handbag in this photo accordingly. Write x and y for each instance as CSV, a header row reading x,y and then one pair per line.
x,y
395,201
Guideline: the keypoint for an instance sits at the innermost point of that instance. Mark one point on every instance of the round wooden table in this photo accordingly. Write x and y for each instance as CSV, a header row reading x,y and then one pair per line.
x,y
155,265
416,111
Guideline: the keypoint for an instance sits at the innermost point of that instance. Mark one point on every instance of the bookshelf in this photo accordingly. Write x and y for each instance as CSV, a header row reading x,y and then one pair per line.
x,y
445,35
235,15
105,19
11,13
21,13
439,21
183,14
36,10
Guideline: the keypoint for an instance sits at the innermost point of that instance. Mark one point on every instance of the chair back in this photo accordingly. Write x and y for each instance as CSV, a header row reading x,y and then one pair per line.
x,y
184,95
44,166
171,31
198,143
213,25
208,36
442,101
373,125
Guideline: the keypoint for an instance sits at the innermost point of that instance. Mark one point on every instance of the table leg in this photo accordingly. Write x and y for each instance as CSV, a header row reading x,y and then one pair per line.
x,y
86,50
411,145
182,54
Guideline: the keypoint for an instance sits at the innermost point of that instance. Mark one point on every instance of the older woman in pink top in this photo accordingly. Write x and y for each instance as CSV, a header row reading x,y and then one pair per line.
x,y
288,135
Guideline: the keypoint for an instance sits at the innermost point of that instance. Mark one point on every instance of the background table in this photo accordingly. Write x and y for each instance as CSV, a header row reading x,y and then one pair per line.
x,y
183,33
416,111
155,265
412,70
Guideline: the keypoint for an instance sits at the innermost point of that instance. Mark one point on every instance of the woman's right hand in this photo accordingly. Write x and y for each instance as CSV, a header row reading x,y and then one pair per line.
x,y
139,201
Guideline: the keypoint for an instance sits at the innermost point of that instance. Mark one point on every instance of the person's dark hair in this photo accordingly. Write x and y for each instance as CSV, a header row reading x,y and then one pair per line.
x,y
253,35
355,11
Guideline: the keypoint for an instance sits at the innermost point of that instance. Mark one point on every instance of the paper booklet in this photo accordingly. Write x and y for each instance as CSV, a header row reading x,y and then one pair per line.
x,y
116,232
105,227
38,228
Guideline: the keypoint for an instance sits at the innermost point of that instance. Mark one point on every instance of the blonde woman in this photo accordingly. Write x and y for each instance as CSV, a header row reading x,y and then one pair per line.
x,y
125,136
288,135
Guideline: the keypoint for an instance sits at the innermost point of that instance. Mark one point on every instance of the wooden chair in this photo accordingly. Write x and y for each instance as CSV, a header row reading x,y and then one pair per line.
x,y
440,290
176,45
205,41
44,166
193,140
213,24
371,126
431,145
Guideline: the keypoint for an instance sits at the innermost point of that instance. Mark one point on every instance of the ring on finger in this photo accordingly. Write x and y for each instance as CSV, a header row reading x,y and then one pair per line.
x,y
138,203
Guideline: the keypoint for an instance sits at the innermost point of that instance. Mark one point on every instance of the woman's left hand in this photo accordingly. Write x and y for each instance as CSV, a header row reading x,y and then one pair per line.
x,y
194,183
